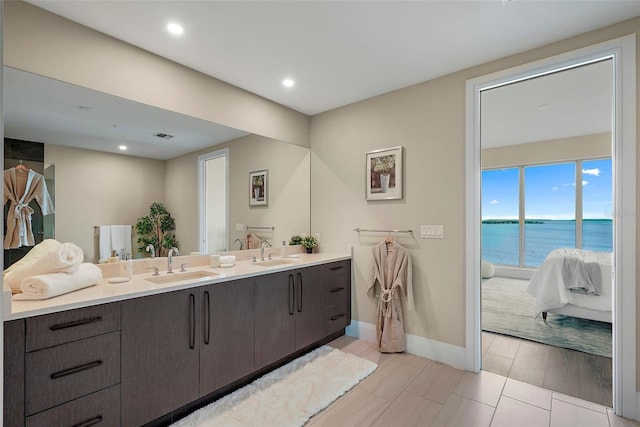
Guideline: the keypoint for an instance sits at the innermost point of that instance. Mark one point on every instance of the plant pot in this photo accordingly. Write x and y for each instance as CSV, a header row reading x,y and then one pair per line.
x,y
384,182
309,250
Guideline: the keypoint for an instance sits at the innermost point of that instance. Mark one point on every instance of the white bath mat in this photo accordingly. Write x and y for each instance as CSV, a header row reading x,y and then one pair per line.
x,y
289,395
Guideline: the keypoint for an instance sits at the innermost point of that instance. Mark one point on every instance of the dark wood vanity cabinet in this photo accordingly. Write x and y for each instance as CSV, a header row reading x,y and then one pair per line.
x,y
290,312
137,361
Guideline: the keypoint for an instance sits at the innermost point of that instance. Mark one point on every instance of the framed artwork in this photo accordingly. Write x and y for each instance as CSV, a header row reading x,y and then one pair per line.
x,y
259,188
384,174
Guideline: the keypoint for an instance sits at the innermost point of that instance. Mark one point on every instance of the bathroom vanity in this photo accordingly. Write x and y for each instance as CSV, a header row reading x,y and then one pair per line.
x,y
157,351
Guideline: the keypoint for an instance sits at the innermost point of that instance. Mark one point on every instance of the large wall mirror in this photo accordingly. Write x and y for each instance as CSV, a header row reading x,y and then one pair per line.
x,y
97,183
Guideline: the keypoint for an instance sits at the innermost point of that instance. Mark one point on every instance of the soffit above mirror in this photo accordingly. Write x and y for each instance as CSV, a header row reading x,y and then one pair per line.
x,y
45,110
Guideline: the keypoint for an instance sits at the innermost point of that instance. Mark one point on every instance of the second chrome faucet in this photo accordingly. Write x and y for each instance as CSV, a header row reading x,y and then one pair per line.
x,y
173,251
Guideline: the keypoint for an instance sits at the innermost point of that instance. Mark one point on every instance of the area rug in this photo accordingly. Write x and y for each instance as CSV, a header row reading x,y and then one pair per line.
x,y
508,309
289,395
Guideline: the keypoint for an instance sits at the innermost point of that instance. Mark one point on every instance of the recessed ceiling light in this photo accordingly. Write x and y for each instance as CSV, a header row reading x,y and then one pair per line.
x,y
123,147
288,83
174,28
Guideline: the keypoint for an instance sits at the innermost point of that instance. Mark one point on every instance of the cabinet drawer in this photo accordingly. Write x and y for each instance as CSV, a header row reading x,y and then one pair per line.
x,y
59,328
338,293
338,270
65,372
101,409
338,317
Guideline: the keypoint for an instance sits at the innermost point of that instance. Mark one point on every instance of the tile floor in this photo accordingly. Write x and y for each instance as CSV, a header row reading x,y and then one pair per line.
x,y
571,372
408,390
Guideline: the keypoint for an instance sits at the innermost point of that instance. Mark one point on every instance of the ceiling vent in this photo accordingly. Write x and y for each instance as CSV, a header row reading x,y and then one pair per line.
x,y
163,135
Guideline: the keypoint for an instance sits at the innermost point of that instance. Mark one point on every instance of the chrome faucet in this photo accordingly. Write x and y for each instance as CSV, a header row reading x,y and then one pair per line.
x,y
265,242
238,241
172,251
151,249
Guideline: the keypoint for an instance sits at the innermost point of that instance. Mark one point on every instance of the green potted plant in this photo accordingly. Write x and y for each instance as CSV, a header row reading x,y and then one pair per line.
x,y
295,240
309,242
156,229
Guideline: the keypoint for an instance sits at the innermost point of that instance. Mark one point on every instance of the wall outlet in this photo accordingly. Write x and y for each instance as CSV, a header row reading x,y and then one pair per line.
x,y
432,232
239,227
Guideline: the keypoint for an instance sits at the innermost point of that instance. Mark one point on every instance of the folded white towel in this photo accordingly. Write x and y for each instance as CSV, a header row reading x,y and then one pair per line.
x,y
227,259
50,285
104,240
65,257
38,251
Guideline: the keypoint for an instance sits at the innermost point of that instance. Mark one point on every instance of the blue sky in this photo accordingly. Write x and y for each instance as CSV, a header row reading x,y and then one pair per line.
x,y
550,191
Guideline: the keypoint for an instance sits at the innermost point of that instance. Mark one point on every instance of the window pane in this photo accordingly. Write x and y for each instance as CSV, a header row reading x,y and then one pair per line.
x,y
597,206
500,230
550,199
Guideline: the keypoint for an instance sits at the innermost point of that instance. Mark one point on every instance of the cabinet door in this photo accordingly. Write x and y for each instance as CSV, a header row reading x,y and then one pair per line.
x,y
227,347
274,321
311,305
160,355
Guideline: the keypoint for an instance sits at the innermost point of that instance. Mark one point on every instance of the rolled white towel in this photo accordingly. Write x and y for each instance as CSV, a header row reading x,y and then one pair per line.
x,y
65,257
50,285
228,259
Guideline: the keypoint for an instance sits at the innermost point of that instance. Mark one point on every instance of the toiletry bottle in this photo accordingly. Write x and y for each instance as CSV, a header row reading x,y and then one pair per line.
x,y
283,251
126,266
113,258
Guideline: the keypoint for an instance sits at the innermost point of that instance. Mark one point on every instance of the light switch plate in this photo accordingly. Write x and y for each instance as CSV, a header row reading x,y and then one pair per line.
x,y
431,231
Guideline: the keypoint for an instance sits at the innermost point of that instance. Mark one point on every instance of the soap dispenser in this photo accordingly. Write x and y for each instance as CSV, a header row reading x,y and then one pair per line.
x,y
283,251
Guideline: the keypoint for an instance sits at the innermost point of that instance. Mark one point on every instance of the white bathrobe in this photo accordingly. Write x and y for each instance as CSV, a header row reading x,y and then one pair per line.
x,y
21,188
391,279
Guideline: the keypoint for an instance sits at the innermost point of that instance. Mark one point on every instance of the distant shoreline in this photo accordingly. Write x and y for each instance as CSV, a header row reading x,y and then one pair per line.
x,y
539,221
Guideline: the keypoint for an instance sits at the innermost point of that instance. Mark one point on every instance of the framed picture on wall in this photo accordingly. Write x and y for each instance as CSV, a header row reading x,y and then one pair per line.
x,y
259,188
384,174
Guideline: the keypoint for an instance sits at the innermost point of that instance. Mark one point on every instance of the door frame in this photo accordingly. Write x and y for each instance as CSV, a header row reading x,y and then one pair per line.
x,y
202,202
623,53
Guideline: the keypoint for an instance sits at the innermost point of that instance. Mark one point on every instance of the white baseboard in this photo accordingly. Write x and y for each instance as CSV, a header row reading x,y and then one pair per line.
x,y
448,354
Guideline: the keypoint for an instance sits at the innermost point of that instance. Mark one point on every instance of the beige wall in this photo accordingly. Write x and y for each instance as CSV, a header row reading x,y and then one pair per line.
x,y
289,199
94,188
596,146
40,42
428,119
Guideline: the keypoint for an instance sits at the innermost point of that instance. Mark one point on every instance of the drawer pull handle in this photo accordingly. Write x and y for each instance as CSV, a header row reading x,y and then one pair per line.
x,y
337,268
76,369
75,323
333,291
337,316
91,422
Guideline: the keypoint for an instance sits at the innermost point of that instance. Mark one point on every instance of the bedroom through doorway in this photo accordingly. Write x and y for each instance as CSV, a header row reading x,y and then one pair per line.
x,y
547,202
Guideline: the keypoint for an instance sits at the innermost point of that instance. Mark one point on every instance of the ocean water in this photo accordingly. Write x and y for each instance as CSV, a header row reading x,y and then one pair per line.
x,y
500,242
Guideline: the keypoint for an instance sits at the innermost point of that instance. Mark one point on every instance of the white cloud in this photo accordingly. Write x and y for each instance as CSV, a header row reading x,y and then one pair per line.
x,y
584,183
494,202
594,171
554,188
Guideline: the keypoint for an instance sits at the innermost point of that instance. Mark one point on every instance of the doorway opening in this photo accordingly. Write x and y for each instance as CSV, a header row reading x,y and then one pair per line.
x,y
622,54
547,210
213,191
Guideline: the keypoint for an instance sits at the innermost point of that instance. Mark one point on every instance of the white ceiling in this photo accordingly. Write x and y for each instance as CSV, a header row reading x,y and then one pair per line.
x,y
339,52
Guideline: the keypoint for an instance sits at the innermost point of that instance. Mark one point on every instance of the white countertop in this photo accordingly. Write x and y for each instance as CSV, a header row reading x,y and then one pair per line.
x,y
137,286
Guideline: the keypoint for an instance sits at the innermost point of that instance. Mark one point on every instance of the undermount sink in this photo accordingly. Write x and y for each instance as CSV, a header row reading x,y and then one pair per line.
x,y
178,277
274,262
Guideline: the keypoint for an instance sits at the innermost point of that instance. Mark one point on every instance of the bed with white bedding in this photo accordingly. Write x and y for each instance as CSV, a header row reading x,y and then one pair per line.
x,y
574,282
